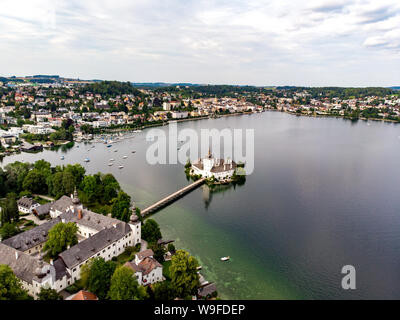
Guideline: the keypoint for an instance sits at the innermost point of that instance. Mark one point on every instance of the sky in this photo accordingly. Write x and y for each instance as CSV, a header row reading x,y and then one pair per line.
x,y
265,43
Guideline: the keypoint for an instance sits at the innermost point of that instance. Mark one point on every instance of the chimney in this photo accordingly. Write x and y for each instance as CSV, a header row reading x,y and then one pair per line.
x,y
16,255
79,214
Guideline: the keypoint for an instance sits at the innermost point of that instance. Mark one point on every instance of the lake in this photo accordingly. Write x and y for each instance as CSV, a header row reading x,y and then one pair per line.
x,y
324,193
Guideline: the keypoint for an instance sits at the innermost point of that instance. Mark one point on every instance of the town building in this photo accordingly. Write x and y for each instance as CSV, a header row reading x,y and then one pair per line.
x,y
26,204
147,269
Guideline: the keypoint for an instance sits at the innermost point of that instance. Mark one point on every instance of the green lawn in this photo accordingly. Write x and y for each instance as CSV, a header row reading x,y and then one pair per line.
x,y
127,255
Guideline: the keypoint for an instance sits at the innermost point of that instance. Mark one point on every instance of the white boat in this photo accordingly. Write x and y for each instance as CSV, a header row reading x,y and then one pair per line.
x,y
86,160
62,157
225,258
115,150
120,167
110,164
133,151
112,159
124,157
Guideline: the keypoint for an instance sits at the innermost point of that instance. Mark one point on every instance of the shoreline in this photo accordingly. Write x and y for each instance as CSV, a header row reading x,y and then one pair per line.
x,y
214,116
334,116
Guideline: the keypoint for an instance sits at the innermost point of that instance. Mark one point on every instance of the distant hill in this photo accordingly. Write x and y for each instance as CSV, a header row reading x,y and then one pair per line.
x,y
394,88
161,84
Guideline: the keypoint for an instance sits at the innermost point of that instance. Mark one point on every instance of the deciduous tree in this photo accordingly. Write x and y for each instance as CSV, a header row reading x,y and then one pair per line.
x,y
96,276
184,277
49,294
60,237
10,285
125,287
151,231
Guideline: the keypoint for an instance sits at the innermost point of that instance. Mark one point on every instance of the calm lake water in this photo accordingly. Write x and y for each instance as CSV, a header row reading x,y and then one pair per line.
x,y
324,194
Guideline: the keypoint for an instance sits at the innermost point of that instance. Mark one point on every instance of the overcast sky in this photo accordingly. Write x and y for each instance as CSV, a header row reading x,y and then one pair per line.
x,y
311,43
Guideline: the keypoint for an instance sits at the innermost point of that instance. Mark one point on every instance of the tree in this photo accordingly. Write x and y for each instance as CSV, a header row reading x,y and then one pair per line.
x,y
9,210
16,173
111,187
125,287
89,186
120,203
55,184
159,251
96,276
10,285
8,230
164,291
139,214
184,277
49,294
171,247
151,231
35,181
60,237
68,182
77,171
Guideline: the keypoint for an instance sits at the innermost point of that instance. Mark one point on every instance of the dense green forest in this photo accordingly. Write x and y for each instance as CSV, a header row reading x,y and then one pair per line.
x,y
100,192
110,88
344,93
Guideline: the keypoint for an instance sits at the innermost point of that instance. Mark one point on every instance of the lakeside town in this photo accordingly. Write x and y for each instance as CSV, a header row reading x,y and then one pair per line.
x,y
50,111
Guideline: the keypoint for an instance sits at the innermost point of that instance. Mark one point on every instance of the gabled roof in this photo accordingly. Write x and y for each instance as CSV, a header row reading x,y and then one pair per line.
x,y
145,253
23,265
26,202
43,209
94,244
61,204
146,266
84,295
31,238
207,290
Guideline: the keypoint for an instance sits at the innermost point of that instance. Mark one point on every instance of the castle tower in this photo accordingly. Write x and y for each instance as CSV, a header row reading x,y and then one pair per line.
x,y
208,162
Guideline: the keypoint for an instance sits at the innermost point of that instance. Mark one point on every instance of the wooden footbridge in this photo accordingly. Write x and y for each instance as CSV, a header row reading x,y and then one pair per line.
x,y
171,198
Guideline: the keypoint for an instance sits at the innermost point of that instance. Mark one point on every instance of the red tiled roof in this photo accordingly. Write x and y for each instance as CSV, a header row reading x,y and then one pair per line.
x,y
84,295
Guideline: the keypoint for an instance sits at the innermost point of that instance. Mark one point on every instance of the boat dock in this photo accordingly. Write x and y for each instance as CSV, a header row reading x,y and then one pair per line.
x,y
171,198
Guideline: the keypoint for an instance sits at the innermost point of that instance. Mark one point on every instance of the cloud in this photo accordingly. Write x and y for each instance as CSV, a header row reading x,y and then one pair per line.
x,y
262,42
